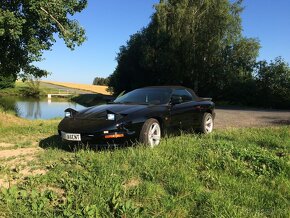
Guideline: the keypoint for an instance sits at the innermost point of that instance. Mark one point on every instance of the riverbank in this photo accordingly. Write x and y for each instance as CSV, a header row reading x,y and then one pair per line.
x,y
232,173
21,88
84,98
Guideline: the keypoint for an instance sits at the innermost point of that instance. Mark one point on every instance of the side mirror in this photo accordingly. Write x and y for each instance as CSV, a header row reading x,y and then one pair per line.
x,y
175,100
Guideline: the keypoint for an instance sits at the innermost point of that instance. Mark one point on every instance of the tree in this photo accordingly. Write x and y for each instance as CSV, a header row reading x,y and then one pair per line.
x,y
273,83
27,28
233,75
33,89
197,32
101,81
192,43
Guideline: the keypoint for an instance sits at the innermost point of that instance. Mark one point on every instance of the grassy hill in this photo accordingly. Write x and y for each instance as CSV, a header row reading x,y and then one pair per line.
x,y
230,173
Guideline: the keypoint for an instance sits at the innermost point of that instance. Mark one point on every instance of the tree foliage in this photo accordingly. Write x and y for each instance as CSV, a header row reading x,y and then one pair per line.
x,y
193,43
33,89
7,81
28,27
101,81
199,44
273,83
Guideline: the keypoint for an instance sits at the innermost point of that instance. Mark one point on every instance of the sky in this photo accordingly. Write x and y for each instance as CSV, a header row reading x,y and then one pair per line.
x,y
110,23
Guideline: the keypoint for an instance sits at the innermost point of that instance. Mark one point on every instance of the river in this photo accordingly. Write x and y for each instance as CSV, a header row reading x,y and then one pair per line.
x,y
32,109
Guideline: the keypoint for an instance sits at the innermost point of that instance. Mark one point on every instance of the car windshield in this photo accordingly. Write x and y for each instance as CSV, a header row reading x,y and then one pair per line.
x,y
153,96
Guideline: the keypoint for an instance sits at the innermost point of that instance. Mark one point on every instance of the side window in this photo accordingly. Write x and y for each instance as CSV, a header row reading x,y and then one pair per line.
x,y
182,94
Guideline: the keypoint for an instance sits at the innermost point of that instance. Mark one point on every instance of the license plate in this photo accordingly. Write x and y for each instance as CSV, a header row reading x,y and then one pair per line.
x,y
71,136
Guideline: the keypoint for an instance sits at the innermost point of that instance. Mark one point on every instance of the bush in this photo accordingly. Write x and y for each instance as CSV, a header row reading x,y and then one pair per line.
x,y
273,84
242,92
269,87
33,89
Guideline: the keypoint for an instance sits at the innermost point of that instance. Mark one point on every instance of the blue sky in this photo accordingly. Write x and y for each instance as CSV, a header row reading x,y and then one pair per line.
x,y
109,24
269,21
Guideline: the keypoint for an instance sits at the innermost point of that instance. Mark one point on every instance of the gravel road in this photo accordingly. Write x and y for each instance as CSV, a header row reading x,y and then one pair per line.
x,y
239,117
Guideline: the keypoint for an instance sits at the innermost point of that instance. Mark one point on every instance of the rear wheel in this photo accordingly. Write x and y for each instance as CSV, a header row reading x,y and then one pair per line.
x,y
207,123
151,133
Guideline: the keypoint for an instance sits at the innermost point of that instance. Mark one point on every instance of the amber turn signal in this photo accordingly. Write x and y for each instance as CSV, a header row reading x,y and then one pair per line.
x,y
114,136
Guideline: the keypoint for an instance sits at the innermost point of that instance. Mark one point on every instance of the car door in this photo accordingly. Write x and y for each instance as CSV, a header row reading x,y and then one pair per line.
x,y
182,110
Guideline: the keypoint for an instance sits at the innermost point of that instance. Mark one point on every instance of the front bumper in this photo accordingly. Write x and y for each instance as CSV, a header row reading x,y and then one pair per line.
x,y
106,137
95,131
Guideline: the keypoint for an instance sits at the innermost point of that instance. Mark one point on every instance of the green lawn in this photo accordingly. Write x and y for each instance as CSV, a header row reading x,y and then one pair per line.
x,y
230,173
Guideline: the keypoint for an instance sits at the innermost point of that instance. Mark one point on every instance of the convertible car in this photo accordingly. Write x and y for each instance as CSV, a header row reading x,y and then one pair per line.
x,y
144,114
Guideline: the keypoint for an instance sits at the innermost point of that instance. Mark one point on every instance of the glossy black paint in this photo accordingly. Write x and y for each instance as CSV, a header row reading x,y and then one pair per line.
x,y
92,122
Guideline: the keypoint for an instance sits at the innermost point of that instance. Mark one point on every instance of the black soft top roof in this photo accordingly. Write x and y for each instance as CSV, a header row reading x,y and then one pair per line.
x,y
167,87
173,88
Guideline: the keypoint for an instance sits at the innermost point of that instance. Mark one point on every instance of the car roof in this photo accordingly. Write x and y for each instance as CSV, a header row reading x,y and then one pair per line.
x,y
172,88
165,87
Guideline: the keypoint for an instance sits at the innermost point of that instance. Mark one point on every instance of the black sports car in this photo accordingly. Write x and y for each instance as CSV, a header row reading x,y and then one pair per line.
x,y
145,114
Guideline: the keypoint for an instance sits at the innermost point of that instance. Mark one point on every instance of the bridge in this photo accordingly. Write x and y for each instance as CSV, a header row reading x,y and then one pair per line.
x,y
61,93
50,95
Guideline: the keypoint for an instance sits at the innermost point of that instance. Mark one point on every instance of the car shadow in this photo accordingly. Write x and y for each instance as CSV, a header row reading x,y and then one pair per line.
x,y
56,142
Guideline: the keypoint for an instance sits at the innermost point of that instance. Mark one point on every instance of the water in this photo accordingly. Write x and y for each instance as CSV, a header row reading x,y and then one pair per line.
x,y
31,108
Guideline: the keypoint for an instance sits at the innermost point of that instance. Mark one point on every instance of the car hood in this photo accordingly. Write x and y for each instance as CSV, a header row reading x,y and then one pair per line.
x,y
102,110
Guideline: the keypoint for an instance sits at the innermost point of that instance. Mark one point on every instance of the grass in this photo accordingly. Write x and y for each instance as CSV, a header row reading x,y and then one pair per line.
x,y
230,173
20,88
85,87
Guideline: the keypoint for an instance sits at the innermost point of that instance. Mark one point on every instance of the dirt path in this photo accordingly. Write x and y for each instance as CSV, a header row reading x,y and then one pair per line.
x,y
17,164
238,117
19,152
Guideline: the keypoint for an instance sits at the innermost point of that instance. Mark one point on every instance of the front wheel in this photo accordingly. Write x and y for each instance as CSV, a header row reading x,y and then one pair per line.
x,y
150,133
207,123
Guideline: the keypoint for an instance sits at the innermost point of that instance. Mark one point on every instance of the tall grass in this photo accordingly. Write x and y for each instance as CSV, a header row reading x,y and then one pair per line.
x,y
230,173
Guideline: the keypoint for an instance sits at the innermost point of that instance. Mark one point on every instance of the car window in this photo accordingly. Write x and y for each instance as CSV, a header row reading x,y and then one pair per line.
x,y
182,94
154,96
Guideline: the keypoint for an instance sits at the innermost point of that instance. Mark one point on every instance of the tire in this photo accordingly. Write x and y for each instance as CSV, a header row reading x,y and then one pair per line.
x,y
207,124
148,137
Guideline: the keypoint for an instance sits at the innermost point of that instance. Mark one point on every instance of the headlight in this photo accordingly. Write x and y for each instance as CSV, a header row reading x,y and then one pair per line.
x,y
67,114
110,116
